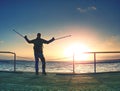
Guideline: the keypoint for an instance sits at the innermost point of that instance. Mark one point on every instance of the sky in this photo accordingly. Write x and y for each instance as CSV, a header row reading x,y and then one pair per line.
x,y
94,24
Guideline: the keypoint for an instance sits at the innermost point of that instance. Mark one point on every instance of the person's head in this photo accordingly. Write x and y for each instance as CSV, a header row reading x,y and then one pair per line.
x,y
38,35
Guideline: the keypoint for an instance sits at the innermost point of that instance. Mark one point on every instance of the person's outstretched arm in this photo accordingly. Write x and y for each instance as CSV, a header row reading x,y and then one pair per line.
x,y
29,41
49,41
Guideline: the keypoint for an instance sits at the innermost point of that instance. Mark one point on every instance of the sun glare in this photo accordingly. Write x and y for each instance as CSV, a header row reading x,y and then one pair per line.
x,y
77,50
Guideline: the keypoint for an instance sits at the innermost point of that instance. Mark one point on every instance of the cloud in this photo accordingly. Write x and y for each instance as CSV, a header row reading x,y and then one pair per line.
x,y
111,43
113,40
92,8
1,42
84,10
81,10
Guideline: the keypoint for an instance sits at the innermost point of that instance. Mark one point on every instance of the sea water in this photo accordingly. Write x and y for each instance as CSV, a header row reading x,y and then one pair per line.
x,y
28,66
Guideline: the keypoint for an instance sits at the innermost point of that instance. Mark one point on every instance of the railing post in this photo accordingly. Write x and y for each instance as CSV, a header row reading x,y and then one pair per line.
x,y
94,62
13,58
73,63
14,62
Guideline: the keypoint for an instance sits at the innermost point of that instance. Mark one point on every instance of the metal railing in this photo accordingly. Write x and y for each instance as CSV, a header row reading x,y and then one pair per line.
x,y
94,56
95,59
14,57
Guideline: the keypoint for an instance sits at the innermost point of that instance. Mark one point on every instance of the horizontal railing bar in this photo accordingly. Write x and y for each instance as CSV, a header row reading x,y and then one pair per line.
x,y
7,52
104,52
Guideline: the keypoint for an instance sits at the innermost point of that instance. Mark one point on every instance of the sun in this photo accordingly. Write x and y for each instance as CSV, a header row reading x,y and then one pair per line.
x,y
77,50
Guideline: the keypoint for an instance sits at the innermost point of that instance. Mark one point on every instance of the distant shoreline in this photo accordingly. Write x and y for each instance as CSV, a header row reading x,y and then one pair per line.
x,y
76,62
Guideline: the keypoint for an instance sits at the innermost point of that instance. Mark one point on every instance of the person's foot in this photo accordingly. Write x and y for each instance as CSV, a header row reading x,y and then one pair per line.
x,y
44,73
37,73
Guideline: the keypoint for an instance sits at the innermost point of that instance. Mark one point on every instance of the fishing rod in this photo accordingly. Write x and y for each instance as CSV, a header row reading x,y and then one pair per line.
x,y
18,33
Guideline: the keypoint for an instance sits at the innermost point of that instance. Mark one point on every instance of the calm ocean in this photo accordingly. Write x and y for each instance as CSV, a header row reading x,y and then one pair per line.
x,y
28,66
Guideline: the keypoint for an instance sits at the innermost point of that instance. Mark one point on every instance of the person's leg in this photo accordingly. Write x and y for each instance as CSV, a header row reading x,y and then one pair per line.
x,y
43,63
36,63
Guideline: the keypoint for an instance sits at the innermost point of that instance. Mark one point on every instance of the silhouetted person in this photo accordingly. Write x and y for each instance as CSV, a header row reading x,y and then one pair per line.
x,y
38,51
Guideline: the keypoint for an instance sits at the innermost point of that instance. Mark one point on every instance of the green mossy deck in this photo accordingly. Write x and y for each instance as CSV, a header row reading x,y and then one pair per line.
x,y
28,81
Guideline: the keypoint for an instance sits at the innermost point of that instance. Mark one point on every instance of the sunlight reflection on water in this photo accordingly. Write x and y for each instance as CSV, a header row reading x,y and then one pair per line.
x,y
61,67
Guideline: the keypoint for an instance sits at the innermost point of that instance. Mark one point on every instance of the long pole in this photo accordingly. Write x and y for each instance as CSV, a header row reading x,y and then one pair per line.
x,y
55,38
18,33
63,37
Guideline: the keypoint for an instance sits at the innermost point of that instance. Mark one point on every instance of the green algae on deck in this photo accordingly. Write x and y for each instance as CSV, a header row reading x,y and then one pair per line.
x,y
28,81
